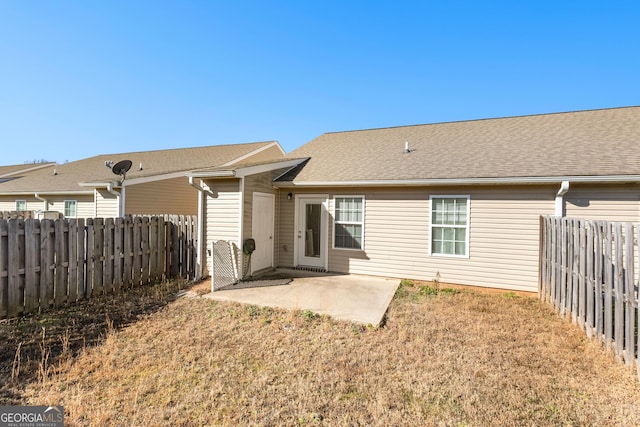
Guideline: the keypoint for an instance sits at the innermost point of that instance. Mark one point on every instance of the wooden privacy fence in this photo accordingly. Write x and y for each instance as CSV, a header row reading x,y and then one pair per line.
x,y
589,271
45,263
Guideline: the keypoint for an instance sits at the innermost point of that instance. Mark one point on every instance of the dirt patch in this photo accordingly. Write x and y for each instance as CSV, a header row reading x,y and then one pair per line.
x,y
447,358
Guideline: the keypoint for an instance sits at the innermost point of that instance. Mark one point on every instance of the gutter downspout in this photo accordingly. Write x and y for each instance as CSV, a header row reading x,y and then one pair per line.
x,y
46,202
117,194
564,187
200,231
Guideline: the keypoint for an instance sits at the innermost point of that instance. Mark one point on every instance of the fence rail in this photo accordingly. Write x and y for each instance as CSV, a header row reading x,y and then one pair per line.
x,y
49,263
589,271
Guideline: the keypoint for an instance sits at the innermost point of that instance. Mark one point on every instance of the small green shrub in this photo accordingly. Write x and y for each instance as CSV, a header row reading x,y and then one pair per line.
x,y
309,315
428,290
407,282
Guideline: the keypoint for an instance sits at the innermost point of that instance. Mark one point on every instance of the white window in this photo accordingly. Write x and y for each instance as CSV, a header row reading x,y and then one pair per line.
x,y
70,208
348,225
450,225
21,205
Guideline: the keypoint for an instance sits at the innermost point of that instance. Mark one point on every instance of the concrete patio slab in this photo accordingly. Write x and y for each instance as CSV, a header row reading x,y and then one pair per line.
x,y
352,297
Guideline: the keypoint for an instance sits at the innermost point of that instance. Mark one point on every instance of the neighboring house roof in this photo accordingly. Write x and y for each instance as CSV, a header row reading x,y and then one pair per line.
x,y
83,175
584,145
13,170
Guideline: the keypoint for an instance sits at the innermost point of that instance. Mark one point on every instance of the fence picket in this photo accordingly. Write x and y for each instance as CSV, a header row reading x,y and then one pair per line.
x,y
16,263
128,253
61,263
31,265
619,291
589,281
629,294
107,273
47,262
118,260
137,252
98,253
72,294
144,241
91,255
599,292
81,257
4,261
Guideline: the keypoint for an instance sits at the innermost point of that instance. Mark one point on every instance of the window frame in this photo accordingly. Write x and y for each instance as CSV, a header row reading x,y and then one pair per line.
x,y
21,201
335,221
64,208
467,227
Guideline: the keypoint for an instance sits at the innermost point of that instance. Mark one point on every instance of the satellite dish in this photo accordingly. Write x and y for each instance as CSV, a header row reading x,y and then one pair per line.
x,y
121,168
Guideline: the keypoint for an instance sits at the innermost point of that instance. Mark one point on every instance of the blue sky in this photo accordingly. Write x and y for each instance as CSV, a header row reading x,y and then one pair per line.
x,y
83,78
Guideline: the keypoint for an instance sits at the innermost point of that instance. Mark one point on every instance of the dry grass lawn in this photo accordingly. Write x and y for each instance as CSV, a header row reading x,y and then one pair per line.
x,y
468,358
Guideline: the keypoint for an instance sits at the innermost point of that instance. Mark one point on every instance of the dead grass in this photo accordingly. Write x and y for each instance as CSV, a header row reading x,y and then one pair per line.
x,y
467,358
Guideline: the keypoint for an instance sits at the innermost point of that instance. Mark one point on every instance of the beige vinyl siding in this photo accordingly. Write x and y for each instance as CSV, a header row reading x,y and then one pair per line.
x,y
169,196
106,204
285,233
607,203
8,203
222,209
85,207
503,242
260,183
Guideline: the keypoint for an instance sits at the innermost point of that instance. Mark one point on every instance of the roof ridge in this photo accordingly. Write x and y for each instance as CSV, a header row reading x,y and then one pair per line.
x,y
484,119
179,148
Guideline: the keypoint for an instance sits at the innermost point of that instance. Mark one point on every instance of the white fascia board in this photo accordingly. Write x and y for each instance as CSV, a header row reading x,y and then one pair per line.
x,y
153,178
212,174
246,171
253,153
47,193
463,181
96,184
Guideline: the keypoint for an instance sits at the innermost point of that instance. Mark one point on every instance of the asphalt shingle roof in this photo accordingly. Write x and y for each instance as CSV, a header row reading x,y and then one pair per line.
x,y
68,176
585,143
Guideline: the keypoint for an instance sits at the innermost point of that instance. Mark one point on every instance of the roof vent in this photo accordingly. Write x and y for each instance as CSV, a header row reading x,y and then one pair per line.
x,y
406,147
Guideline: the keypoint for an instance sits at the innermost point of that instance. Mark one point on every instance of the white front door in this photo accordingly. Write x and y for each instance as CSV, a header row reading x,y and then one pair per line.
x,y
311,231
262,231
